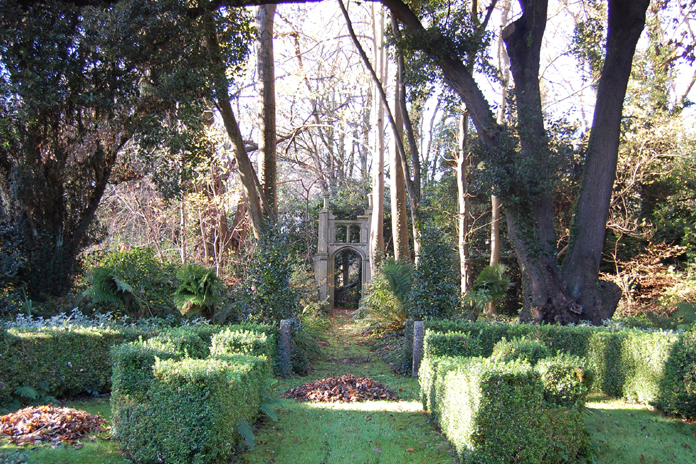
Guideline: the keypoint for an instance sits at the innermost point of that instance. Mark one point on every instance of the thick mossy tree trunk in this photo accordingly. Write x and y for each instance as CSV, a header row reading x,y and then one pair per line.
x,y
573,292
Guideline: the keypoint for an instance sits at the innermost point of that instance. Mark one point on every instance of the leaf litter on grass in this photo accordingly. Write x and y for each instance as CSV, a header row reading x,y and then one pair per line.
x,y
39,424
343,389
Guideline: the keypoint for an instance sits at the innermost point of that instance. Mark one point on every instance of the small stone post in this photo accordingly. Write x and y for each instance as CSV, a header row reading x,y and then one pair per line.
x,y
284,352
418,334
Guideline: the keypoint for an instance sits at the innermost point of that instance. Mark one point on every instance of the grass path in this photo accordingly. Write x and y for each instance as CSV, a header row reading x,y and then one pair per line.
x,y
371,432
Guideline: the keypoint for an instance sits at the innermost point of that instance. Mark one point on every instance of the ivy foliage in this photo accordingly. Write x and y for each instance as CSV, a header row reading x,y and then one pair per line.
x,y
264,293
435,293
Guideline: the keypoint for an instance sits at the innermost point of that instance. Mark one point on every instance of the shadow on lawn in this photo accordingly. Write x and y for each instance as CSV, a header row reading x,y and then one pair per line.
x,y
629,433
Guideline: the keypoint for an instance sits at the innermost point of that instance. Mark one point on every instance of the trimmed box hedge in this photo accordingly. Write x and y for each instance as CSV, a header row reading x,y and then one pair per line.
x,y
495,412
239,340
74,360
192,410
59,362
171,403
651,367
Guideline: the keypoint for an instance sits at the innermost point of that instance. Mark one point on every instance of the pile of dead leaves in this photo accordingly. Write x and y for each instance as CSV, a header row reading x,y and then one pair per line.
x,y
344,389
35,425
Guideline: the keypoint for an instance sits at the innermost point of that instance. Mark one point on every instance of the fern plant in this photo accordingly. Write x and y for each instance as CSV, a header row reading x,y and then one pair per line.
x,y
267,402
491,284
108,287
199,291
400,278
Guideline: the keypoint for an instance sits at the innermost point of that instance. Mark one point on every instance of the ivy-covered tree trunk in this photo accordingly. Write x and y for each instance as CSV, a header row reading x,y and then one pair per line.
x,y
267,113
552,294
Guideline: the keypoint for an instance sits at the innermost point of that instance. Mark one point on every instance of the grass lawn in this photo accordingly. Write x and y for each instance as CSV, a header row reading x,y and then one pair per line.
x,y
387,432
621,432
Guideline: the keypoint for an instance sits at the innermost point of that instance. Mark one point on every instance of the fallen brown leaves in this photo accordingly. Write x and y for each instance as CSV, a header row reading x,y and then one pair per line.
x,y
35,425
344,389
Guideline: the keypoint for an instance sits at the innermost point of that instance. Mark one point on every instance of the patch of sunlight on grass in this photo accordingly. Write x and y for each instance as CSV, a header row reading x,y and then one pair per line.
x,y
383,432
622,432
391,406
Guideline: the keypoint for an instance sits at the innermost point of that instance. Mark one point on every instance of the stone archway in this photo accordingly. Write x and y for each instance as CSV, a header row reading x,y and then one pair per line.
x,y
335,236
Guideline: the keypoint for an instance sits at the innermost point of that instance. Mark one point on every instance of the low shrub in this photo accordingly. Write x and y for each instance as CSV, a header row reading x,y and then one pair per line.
x,y
627,363
521,349
59,362
247,342
134,281
494,412
383,304
678,385
65,360
132,366
451,344
199,291
193,409
643,359
566,380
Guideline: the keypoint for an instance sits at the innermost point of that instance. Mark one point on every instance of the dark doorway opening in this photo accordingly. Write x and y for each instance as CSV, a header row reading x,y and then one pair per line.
x,y
347,279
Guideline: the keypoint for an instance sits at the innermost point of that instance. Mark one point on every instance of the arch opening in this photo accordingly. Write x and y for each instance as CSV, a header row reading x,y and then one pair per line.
x,y
347,278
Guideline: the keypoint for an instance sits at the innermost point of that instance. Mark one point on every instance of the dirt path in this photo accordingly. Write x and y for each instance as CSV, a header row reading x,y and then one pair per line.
x,y
372,432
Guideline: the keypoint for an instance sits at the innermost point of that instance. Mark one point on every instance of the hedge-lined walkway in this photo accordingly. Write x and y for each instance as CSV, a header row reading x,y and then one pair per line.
x,y
370,432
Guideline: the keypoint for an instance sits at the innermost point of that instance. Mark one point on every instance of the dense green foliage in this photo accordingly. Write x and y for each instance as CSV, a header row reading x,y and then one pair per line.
x,y
261,341
167,385
75,360
73,106
435,292
383,304
521,349
264,293
199,291
166,395
495,412
58,362
134,282
650,367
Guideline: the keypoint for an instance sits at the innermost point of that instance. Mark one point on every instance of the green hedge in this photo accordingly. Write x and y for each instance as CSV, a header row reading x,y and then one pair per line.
x,y
75,360
678,385
250,340
626,363
59,362
192,410
520,349
495,412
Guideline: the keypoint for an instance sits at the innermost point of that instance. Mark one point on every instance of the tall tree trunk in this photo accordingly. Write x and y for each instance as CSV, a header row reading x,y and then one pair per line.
x,y
398,185
267,113
412,184
251,188
462,167
551,296
377,224
580,269
504,66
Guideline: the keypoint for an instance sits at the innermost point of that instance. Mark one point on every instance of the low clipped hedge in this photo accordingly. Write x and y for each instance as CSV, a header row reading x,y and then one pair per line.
x,y
496,412
192,410
651,367
59,362
248,339
75,360
520,349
